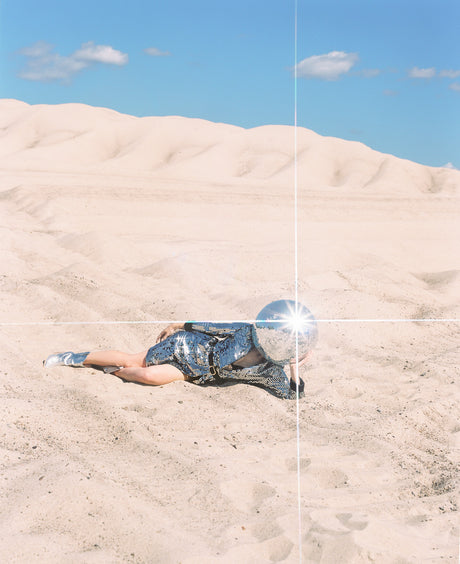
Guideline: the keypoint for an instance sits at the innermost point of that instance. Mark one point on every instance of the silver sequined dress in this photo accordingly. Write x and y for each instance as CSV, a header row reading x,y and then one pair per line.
x,y
189,352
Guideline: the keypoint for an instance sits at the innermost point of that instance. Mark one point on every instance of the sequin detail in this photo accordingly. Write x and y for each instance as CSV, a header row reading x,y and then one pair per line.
x,y
189,352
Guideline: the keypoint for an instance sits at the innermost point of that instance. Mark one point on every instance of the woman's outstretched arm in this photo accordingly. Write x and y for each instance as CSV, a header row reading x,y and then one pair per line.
x,y
293,364
209,328
214,329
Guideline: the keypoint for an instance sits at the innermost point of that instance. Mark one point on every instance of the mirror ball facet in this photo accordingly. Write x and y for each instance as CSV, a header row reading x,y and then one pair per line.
x,y
274,332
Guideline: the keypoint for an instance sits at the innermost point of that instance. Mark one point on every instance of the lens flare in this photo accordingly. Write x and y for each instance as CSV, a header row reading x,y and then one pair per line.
x,y
279,326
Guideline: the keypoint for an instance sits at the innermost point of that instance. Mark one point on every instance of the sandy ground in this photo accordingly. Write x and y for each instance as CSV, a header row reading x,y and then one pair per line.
x,y
106,217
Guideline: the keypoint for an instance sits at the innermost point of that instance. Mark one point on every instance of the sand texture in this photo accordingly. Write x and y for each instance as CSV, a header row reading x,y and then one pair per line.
x,y
108,217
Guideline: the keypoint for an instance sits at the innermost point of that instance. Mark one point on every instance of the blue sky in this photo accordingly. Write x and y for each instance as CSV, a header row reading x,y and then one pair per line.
x,y
383,72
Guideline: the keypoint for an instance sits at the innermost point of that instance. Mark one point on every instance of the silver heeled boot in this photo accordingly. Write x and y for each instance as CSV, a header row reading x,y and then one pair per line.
x,y
66,359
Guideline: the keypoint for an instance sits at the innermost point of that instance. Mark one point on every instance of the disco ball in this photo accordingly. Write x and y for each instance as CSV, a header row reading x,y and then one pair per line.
x,y
279,325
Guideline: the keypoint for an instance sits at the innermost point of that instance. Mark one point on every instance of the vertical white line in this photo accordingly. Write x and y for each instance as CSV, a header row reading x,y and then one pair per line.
x,y
296,276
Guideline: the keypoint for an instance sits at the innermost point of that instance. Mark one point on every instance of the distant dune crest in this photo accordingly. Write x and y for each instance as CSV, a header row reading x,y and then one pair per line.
x,y
76,137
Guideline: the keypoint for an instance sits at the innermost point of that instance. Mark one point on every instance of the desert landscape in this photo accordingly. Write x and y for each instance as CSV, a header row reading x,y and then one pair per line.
x,y
113,225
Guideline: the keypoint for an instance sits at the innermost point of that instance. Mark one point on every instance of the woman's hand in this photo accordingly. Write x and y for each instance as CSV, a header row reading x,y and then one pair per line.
x,y
293,365
170,330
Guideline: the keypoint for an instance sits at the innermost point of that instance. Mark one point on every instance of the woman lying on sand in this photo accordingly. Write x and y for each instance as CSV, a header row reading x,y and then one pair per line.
x,y
205,353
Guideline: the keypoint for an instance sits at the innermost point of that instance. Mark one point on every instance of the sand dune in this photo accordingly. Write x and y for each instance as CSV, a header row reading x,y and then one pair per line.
x,y
107,217
70,137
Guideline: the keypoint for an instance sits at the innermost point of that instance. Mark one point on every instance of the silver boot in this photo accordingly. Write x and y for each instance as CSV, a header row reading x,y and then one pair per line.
x,y
66,359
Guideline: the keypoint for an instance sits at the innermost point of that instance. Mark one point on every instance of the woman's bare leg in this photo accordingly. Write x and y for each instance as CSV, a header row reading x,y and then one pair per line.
x,y
115,358
155,375
133,367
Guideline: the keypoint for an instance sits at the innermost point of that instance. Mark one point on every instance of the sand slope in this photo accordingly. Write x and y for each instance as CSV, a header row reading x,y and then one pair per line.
x,y
108,217
75,137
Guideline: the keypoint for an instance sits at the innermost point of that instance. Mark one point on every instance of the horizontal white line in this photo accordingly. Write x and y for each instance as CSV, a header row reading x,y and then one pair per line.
x,y
168,321
404,320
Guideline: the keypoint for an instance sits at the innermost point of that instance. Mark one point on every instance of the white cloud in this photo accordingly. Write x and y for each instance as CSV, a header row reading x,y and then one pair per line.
x,y
450,165
455,86
327,67
449,73
100,54
38,49
155,52
51,67
44,65
415,72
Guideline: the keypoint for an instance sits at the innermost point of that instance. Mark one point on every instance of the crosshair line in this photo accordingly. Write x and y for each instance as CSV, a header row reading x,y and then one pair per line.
x,y
251,321
296,287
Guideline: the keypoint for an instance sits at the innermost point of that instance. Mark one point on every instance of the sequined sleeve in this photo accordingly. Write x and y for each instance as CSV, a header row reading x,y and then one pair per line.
x,y
214,329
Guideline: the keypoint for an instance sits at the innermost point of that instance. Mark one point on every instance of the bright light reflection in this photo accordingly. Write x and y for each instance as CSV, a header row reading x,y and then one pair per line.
x,y
295,320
